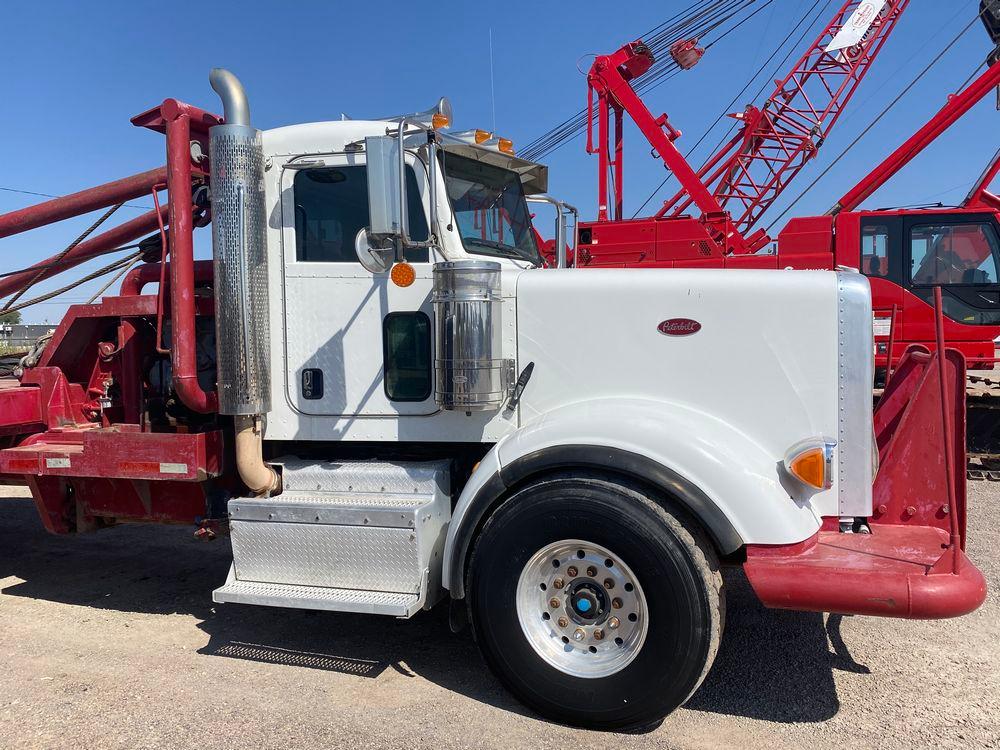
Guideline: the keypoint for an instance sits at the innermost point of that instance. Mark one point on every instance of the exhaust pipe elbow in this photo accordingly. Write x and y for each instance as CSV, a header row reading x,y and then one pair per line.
x,y
235,105
260,479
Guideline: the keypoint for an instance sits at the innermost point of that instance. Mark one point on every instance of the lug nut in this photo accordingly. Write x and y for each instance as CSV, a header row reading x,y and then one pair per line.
x,y
598,635
591,571
614,622
571,571
563,622
554,603
579,634
617,603
609,583
558,583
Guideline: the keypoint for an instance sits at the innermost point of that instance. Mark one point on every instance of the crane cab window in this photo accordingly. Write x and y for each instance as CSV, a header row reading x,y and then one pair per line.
x,y
331,207
875,250
953,254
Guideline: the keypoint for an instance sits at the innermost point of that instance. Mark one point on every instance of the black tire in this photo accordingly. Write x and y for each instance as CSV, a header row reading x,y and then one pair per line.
x,y
676,568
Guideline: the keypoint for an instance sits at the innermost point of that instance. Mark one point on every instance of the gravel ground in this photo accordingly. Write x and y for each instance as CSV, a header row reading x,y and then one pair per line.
x,y
111,641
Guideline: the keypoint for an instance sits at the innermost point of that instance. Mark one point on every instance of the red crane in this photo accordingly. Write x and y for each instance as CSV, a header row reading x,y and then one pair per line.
x,y
739,183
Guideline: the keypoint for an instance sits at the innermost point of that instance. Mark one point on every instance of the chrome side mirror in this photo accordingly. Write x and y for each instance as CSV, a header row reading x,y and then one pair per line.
x,y
373,259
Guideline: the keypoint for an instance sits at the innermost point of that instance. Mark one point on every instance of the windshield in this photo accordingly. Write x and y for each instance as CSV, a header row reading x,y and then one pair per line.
x,y
490,209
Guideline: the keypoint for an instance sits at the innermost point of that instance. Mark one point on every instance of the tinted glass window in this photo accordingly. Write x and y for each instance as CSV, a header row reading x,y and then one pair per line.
x,y
331,207
490,208
875,250
953,254
407,349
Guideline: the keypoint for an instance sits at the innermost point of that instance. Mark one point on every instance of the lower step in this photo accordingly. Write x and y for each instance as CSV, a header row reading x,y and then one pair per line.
x,y
318,597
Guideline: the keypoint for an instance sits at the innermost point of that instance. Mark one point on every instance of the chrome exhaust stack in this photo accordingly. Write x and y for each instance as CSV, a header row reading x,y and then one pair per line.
x,y
239,225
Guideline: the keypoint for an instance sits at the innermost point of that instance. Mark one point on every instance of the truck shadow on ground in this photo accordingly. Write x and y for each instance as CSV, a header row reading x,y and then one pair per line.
x,y
774,666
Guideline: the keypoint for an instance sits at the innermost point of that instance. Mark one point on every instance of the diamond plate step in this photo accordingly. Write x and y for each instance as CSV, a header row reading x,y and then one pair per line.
x,y
348,509
363,477
317,597
358,536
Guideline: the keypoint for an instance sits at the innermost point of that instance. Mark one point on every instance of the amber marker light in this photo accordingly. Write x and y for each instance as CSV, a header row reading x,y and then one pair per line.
x,y
440,120
482,136
506,145
403,274
811,462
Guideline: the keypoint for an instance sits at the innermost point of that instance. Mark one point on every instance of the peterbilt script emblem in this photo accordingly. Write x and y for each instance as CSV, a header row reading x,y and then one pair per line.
x,y
679,327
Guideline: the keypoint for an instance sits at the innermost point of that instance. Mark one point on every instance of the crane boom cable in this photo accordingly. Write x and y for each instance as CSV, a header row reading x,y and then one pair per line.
x,y
726,110
41,272
711,15
110,268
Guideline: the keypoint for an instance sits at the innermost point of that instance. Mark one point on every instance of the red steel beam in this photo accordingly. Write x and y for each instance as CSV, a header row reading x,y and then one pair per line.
x,y
104,243
85,201
956,107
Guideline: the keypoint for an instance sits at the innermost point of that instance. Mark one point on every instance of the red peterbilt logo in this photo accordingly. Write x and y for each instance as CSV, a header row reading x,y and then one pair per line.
x,y
679,327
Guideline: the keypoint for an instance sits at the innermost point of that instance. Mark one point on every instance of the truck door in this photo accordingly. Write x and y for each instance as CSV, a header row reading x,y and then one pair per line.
x,y
960,253
355,344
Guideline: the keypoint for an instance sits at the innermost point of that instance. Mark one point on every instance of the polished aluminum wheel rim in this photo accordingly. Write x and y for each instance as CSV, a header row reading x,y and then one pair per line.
x,y
582,609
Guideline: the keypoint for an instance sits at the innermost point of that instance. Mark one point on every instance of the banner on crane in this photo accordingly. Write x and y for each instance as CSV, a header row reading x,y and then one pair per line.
x,y
861,20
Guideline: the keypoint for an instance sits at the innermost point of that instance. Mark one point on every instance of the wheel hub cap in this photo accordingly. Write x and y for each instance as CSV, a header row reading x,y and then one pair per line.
x,y
581,608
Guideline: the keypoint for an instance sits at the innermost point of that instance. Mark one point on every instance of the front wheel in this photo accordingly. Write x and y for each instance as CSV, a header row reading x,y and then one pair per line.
x,y
593,604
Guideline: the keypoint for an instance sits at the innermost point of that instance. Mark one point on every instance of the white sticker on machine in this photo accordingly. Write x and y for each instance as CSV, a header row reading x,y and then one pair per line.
x,y
881,326
857,25
57,463
173,468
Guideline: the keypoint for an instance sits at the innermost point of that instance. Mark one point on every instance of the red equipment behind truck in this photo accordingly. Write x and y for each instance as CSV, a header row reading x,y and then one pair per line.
x,y
904,252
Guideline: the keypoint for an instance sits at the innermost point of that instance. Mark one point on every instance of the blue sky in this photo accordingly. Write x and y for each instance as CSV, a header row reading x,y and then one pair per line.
x,y
76,72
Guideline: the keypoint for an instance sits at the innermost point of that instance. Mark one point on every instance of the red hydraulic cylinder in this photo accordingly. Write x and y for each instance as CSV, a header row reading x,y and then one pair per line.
x,y
82,202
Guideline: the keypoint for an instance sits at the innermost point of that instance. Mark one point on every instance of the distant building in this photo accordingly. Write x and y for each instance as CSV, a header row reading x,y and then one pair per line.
x,y
21,336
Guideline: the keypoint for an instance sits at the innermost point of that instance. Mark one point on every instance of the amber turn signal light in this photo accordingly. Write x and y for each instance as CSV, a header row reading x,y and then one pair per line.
x,y
403,274
440,120
811,462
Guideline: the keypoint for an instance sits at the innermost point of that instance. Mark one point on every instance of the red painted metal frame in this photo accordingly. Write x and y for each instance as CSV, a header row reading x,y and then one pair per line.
x,y
780,138
609,78
182,122
119,452
75,424
80,203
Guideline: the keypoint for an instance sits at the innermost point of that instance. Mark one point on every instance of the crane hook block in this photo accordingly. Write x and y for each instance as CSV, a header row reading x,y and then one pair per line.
x,y
686,53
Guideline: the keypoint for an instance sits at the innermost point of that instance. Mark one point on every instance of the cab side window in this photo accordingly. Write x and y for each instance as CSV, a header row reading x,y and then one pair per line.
x,y
953,254
875,250
331,207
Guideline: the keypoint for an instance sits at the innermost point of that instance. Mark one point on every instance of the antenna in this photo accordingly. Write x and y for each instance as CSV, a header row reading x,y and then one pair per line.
x,y
493,91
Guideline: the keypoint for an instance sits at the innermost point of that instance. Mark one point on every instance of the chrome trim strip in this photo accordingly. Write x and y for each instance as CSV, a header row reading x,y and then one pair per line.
x,y
855,374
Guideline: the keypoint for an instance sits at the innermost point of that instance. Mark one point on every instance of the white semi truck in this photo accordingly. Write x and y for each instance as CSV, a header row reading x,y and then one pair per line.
x,y
398,406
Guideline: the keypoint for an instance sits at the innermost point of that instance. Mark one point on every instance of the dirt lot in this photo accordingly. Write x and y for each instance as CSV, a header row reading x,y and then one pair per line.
x,y
111,640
